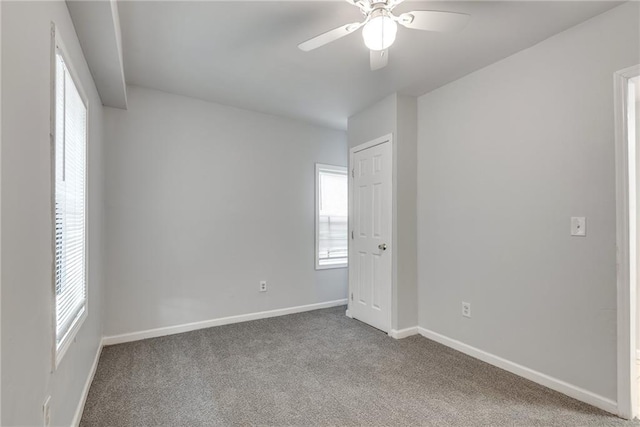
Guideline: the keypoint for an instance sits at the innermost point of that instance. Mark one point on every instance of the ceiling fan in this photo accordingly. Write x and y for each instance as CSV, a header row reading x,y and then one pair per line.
x,y
380,27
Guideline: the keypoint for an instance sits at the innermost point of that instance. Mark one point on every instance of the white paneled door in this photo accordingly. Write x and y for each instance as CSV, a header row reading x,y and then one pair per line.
x,y
370,245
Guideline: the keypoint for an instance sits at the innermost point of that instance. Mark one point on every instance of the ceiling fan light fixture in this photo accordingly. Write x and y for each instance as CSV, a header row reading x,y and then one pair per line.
x,y
380,32
380,26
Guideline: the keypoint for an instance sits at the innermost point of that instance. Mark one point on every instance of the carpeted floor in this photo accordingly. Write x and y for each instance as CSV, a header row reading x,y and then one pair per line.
x,y
315,368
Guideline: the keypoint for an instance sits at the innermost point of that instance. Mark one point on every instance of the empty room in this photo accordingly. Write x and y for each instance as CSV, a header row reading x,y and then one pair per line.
x,y
325,212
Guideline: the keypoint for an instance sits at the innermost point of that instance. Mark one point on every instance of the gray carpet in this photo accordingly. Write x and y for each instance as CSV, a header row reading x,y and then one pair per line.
x,y
315,368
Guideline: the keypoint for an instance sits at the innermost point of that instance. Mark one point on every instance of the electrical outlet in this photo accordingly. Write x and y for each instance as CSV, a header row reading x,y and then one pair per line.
x,y
263,286
46,412
466,309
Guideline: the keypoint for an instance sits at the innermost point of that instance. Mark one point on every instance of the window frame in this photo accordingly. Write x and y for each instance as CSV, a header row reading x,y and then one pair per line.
x,y
58,47
335,169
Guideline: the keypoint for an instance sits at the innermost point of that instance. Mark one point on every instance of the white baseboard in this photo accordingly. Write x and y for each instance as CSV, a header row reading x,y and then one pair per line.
x,y
538,377
348,314
403,333
177,329
87,385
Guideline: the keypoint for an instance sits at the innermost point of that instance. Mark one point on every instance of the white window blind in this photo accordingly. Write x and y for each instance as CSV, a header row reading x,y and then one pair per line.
x,y
332,216
70,203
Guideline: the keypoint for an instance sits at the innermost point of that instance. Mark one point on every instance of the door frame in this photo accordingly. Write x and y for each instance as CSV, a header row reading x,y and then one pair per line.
x,y
627,389
391,250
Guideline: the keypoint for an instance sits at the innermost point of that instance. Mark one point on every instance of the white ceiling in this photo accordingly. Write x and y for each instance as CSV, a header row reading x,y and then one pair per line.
x,y
244,54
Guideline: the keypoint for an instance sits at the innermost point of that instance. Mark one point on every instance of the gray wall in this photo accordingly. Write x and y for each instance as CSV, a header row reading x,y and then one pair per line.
x,y
378,120
506,156
203,202
27,256
397,115
406,165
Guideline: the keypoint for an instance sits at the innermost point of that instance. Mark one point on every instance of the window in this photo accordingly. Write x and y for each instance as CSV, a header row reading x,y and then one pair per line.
x,y
331,216
70,206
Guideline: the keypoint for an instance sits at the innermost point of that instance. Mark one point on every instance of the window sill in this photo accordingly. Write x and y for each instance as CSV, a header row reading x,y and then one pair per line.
x,y
69,338
331,266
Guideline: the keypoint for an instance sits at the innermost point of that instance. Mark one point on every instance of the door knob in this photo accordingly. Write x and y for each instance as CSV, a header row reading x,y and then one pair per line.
x,y
382,246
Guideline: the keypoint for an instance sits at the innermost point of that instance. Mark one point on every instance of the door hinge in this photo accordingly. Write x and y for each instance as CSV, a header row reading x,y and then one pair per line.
x,y
351,234
351,296
353,175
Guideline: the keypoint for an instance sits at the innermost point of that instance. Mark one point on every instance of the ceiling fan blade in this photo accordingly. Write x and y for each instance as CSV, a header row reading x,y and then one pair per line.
x,y
379,59
432,20
329,36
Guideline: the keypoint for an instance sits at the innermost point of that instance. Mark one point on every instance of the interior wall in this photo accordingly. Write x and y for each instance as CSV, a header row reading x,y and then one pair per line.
x,y
27,226
406,211
378,120
203,202
397,115
506,156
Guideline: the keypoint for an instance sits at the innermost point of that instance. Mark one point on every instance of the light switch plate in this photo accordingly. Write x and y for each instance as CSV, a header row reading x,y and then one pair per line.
x,y
578,226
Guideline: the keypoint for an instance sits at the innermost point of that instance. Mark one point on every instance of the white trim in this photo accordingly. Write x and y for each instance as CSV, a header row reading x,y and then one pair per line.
x,y
626,303
535,376
186,327
403,333
372,143
87,385
338,170
348,314
331,266
52,151
638,355
61,47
